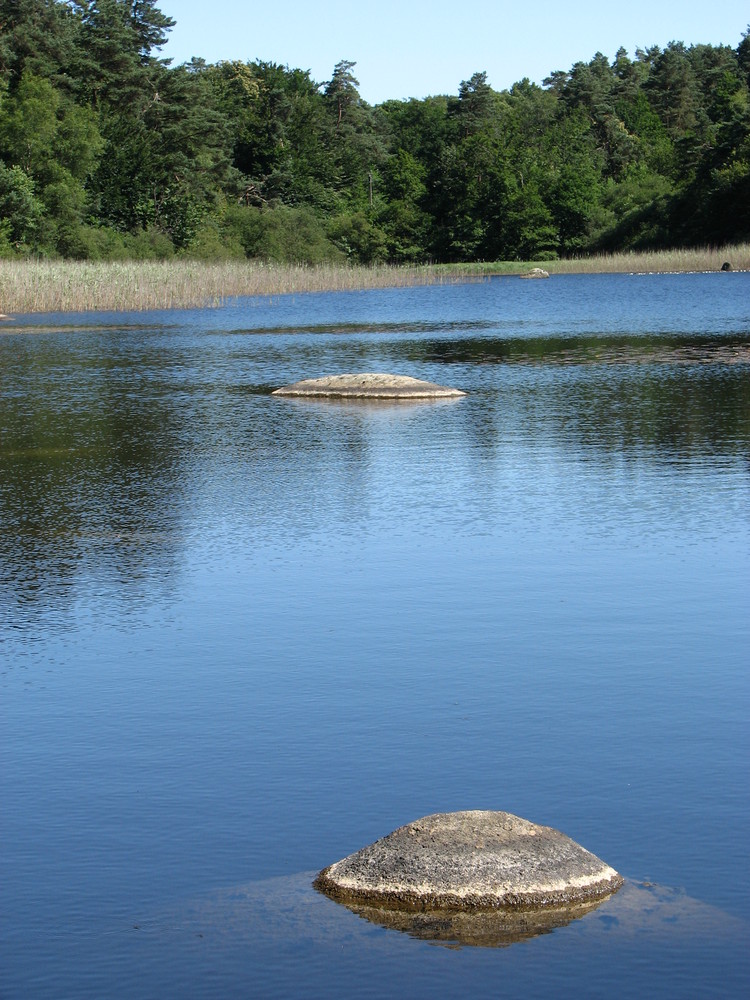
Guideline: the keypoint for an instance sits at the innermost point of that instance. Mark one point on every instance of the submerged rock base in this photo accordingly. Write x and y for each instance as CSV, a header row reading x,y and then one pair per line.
x,y
472,861
474,928
368,385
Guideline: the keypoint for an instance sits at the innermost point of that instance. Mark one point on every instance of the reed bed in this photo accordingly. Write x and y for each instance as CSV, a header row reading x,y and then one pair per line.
x,y
658,261
636,262
34,286
74,286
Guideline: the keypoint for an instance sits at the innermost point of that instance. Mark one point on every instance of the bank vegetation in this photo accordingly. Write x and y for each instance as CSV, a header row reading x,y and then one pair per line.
x,y
41,286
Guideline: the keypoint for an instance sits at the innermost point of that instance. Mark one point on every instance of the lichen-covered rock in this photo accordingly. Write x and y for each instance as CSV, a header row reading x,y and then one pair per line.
x,y
469,861
368,385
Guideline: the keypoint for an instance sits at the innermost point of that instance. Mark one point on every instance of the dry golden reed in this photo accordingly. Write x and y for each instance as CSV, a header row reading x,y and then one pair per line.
x,y
35,286
658,261
74,286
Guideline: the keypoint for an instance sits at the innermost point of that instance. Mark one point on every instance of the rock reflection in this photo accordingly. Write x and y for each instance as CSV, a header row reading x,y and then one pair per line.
x,y
478,928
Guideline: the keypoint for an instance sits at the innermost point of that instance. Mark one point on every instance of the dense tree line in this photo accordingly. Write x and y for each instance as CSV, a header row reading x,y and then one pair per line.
x,y
107,151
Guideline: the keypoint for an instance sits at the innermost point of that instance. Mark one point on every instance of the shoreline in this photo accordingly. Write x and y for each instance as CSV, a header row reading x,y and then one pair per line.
x,y
37,286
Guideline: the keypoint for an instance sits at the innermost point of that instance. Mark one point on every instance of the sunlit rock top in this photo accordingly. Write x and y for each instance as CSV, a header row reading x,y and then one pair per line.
x,y
368,385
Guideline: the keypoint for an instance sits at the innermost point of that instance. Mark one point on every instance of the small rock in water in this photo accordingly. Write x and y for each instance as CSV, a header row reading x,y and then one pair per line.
x,y
467,861
368,385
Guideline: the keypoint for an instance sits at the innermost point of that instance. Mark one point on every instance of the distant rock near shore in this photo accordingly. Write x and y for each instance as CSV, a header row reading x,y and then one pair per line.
x,y
368,385
469,861
535,272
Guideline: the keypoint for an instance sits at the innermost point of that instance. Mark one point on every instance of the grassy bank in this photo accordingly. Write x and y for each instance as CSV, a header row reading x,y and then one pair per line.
x,y
71,286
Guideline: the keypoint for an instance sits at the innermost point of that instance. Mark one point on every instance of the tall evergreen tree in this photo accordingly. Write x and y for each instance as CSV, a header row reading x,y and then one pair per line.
x,y
151,26
38,36
109,66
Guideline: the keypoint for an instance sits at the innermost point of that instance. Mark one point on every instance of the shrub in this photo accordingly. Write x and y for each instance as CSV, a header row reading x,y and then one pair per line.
x,y
148,244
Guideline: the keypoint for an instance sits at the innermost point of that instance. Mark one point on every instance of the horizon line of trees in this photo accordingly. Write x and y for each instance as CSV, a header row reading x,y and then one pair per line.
x,y
107,151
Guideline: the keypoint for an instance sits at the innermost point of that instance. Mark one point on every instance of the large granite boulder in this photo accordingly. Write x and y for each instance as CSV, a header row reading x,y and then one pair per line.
x,y
469,861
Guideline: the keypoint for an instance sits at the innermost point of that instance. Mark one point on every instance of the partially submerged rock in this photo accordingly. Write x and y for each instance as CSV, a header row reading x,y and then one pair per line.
x,y
471,861
368,385
535,272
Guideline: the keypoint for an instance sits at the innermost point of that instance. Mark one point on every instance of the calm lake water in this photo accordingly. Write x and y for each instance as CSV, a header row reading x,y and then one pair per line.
x,y
243,636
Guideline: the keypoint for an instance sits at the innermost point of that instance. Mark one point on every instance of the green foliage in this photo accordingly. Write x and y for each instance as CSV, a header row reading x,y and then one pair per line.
x,y
108,152
214,240
288,235
654,148
37,37
473,111
149,243
151,26
29,123
341,91
403,219
100,243
634,211
20,210
358,238
54,144
293,236
107,61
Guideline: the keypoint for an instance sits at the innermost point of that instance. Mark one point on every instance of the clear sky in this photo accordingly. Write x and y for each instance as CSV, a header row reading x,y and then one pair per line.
x,y
413,48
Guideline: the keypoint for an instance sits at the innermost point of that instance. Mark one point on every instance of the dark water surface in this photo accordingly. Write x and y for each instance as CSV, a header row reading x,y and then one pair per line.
x,y
242,636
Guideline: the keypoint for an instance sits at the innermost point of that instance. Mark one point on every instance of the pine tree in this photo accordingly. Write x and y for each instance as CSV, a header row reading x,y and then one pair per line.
x,y
38,36
151,26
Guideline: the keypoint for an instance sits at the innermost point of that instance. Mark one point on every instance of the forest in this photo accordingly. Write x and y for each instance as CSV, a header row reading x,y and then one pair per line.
x,y
108,152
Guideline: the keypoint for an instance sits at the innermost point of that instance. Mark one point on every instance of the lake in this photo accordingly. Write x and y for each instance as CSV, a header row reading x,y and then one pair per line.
x,y
242,636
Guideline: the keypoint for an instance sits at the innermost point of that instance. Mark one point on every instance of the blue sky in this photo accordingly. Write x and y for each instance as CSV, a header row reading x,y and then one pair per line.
x,y
411,49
